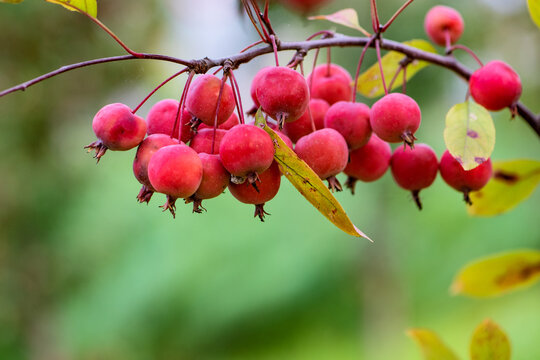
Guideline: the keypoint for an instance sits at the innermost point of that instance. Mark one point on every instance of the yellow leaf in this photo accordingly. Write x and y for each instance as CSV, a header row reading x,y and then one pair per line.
x,y
345,17
534,10
84,6
512,182
308,183
489,342
469,134
370,84
431,345
498,274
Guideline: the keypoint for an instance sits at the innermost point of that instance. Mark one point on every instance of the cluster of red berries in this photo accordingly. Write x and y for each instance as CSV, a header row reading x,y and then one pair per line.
x,y
197,151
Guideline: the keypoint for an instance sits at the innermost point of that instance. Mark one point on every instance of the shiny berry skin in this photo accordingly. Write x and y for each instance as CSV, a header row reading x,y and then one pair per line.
x,y
283,94
495,86
260,192
246,150
116,128
368,163
440,19
351,120
255,84
202,99
464,181
330,83
140,165
325,151
301,127
214,181
395,118
202,141
414,169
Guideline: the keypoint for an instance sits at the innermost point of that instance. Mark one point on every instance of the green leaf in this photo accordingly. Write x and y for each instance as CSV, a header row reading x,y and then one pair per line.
x,y
370,84
498,274
431,345
345,17
83,6
534,10
469,134
489,342
512,182
308,183
12,1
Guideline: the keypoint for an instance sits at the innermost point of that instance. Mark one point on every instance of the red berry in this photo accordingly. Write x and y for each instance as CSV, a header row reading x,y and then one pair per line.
x,y
301,127
283,94
326,153
202,141
214,181
395,118
260,192
440,20
369,162
140,165
414,169
202,100
255,84
331,83
175,170
351,120
116,128
464,181
495,86
246,150
305,6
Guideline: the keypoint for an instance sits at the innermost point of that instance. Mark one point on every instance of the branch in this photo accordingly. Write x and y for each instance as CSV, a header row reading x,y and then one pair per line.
x,y
338,40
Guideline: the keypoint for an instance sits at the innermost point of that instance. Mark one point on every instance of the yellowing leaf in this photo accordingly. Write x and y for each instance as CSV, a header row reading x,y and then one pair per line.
x,y
345,17
498,274
87,6
512,182
469,134
431,345
308,183
12,1
534,10
489,342
370,84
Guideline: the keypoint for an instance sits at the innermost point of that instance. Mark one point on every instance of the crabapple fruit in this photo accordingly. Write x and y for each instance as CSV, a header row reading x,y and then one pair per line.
x,y
331,83
202,100
214,181
301,127
442,23
116,128
162,117
495,86
202,141
414,169
351,120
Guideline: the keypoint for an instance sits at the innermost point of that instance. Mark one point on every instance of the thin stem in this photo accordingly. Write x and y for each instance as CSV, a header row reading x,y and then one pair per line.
x,y
181,105
252,45
313,128
447,39
375,16
451,49
250,15
379,60
400,10
157,88
237,98
274,46
391,85
216,113
404,88
310,82
327,33
328,61
261,21
360,61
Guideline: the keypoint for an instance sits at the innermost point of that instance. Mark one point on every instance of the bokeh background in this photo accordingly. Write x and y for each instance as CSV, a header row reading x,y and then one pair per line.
x,y
87,273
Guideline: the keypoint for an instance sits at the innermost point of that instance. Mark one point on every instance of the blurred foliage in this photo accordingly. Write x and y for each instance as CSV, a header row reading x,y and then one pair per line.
x,y
86,273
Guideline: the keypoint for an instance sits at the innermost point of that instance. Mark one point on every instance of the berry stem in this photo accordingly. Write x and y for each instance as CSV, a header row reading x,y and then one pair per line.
x,y
181,106
451,49
391,85
157,88
360,61
216,111
274,46
416,198
250,15
400,10
375,17
328,61
313,128
379,60
404,88
325,33
237,98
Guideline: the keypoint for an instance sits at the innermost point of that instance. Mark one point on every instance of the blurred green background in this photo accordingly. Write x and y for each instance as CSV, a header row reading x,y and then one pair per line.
x,y
87,273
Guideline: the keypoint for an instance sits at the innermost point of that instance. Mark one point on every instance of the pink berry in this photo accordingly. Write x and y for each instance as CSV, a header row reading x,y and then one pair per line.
x,y
283,94
351,120
325,152
414,169
202,100
464,181
214,181
116,128
140,165
395,118
202,141
331,83
260,192
301,127
369,162
175,170
495,86
442,20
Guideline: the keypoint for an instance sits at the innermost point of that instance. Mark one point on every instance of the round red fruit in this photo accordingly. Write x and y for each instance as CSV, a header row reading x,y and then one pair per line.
x,y
331,83
443,22
202,141
351,120
395,118
202,100
301,127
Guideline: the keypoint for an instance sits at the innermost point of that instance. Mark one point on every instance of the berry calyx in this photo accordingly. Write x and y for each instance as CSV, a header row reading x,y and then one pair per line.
x,y
368,163
495,86
395,118
301,127
351,120
464,181
442,23
116,128
202,100
331,83
414,169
